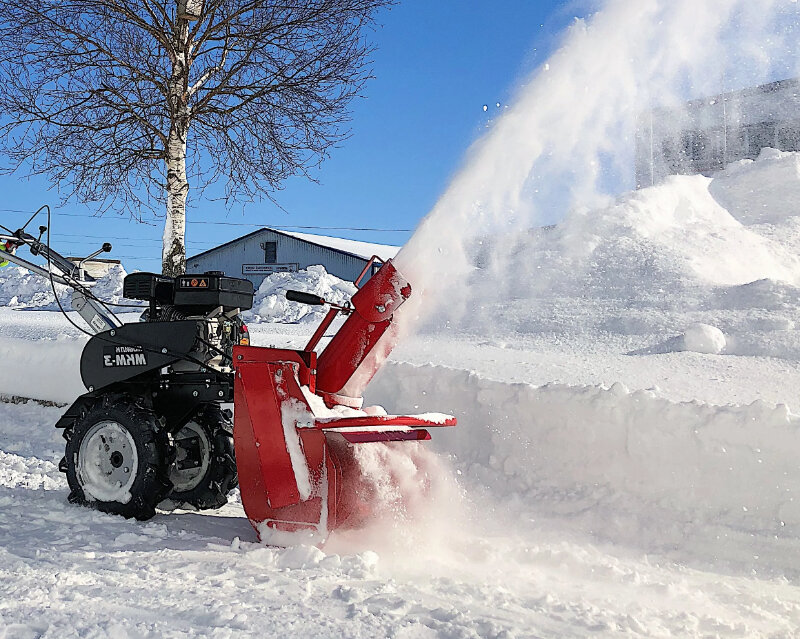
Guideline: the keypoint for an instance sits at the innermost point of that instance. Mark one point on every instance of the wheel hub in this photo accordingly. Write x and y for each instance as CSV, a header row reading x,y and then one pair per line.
x,y
116,459
107,462
193,456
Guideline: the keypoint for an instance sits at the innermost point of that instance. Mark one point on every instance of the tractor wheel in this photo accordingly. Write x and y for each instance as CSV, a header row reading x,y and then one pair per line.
x,y
204,470
117,459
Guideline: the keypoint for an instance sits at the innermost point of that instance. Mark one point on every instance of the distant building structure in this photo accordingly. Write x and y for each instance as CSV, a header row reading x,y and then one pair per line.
x,y
707,134
258,254
95,267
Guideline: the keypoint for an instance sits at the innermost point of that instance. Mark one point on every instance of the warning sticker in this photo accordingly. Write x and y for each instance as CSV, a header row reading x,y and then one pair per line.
x,y
193,282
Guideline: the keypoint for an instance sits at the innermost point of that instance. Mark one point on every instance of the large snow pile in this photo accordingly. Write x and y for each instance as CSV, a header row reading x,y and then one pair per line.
x,y
655,263
767,190
270,303
19,288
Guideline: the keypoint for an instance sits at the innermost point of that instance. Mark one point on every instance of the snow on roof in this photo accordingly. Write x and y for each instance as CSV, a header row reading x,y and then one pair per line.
x,y
361,249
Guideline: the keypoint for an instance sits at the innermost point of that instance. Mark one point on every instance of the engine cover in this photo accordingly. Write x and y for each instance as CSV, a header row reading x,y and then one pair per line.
x,y
193,294
210,290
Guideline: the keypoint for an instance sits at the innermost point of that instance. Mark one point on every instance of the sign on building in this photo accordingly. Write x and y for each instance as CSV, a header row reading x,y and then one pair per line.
x,y
267,269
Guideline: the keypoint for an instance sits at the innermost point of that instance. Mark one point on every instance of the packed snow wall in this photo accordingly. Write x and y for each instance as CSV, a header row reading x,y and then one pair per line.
x,y
618,464
43,369
41,352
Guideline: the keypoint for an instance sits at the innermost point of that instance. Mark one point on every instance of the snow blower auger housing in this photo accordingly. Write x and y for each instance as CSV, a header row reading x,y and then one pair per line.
x,y
153,428
297,416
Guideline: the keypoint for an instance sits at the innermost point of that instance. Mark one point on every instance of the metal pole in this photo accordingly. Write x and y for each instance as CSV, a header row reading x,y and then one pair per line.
x,y
724,123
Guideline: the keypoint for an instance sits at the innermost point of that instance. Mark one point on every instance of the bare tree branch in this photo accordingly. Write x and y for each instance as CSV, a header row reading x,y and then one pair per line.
x,y
124,103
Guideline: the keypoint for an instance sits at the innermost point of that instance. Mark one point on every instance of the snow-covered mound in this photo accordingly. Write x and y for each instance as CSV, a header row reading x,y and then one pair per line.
x,y
658,261
19,288
270,303
767,190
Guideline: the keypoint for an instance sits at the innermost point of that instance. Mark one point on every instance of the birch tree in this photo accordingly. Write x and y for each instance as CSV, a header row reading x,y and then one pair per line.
x,y
129,104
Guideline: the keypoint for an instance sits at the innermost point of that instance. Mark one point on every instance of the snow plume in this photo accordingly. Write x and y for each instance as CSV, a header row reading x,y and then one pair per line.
x,y
416,508
567,142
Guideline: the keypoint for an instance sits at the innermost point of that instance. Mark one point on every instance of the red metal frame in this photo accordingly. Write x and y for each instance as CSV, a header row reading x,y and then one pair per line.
x,y
371,261
312,343
373,308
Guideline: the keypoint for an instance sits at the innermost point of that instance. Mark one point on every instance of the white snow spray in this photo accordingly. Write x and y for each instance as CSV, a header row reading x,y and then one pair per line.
x,y
415,505
567,142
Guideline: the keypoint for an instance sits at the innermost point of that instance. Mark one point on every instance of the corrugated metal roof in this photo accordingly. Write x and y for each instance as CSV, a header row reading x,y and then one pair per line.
x,y
355,247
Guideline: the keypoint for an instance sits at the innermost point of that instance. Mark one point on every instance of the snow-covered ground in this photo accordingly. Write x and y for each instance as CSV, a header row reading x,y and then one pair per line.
x,y
626,460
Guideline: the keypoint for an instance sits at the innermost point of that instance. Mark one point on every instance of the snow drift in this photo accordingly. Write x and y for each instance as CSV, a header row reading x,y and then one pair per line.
x,y
19,288
270,303
653,264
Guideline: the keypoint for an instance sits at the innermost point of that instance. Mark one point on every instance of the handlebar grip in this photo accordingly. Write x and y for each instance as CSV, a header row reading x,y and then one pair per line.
x,y
305,298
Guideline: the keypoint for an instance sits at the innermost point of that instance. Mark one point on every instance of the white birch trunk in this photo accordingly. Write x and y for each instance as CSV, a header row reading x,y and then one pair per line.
x,y
173,256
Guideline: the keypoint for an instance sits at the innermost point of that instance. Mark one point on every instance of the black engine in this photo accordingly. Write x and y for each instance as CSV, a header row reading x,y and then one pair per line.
x,y
211,298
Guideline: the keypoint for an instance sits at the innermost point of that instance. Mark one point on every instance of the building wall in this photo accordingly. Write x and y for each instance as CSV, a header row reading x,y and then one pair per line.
x,y
706,135
246,258
95,268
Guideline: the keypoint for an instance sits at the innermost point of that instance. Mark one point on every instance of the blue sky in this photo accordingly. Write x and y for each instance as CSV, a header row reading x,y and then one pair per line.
x,y
437,64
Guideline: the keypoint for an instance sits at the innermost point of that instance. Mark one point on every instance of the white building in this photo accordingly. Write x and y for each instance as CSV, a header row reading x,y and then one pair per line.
x,y
258,254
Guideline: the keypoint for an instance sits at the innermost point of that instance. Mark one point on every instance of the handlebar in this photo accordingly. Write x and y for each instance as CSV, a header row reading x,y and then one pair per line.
x,y
305,298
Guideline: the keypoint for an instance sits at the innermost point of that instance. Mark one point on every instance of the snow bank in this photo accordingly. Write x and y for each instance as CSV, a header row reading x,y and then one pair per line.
x,y
662,239
19,288
763,191
625,465
270,303
650,265
46,366
44,369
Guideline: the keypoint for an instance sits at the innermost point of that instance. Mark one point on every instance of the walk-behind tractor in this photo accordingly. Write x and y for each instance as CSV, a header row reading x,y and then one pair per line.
x,y
153,427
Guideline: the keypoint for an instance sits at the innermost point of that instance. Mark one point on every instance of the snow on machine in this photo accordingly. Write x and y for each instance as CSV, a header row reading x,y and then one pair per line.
x,y
154,425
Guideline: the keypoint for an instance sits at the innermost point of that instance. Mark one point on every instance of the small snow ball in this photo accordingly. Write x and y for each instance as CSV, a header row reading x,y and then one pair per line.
x,y
702,338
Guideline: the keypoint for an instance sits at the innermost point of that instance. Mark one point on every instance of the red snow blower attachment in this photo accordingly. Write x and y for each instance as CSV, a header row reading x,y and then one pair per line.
x,y
297,417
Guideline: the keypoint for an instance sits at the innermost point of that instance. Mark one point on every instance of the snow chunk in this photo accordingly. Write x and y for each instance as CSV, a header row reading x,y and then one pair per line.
x,y
703,338
298,557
